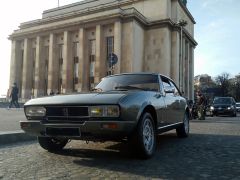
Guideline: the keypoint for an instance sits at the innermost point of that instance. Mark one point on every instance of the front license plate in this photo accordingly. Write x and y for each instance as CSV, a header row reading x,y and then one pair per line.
x,y
63,131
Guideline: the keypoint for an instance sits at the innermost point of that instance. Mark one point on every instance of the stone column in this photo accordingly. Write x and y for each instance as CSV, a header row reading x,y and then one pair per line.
x,y
16,65
67,63
39,68
186,70
83,61
175,62
182,88
53,64
100,69
191,72
27,77
118,45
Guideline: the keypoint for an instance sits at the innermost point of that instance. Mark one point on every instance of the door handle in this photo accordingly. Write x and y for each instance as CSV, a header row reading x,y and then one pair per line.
x,y
158,95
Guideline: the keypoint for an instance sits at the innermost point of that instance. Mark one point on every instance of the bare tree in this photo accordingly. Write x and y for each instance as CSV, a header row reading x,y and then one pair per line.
x,y
223,83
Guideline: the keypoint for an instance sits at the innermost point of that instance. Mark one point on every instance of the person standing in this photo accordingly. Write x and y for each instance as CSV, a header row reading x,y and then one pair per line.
x,y
201,106
14,96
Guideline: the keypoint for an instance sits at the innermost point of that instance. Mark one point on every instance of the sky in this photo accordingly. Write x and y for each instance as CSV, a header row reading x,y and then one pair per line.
x,y
216,31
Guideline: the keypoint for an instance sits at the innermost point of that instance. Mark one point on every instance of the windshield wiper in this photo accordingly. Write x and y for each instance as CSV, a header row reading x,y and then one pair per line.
x,y
126,88
97,89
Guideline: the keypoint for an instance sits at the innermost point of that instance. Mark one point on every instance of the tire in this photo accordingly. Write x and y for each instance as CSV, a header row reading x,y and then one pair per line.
x,y
183,129
144,138
52,144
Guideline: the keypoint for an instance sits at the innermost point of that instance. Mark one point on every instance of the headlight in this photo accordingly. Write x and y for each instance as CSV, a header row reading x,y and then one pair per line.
x,y
36,111
212,108
104,111
232,107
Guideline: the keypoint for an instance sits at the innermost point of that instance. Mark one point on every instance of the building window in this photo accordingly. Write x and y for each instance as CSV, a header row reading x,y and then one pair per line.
x,y
110,49
92,62
110,45
75,65
60,68
33,69
21,73
46,69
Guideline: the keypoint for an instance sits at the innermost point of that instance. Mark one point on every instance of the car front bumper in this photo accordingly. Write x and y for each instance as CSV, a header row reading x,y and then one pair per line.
x,y
89,130
223,112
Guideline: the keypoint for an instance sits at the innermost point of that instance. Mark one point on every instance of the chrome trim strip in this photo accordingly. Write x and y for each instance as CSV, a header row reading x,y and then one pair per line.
x,y
170,125
65,106
69,116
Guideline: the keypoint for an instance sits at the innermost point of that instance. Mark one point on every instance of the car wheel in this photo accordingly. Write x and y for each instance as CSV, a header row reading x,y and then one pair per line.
x,y
144,138
52,144
183,130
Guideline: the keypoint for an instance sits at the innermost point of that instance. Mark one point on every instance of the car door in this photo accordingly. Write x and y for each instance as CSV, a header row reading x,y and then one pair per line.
x,y
173,111
180,108
159,104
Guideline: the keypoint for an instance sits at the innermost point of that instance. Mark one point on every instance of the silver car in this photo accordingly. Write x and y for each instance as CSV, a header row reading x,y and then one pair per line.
x,y
133,106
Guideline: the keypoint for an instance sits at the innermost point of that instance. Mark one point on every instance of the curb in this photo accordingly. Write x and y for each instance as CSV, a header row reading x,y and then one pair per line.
x,y
10,137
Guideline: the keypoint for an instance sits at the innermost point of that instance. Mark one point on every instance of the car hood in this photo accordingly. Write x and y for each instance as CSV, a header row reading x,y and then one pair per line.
x,y
83,98
221,105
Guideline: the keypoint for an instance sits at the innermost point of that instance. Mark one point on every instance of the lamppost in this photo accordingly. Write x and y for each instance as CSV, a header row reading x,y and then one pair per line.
x,y
181,24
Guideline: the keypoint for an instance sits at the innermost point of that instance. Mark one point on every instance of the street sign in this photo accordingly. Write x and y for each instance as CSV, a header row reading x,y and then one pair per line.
x,y
112,59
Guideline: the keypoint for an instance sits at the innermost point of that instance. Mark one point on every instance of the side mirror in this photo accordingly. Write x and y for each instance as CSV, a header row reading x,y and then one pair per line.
x,y
169,89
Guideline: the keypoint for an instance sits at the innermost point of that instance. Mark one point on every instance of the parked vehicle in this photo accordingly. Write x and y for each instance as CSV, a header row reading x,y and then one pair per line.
x,y
134,106
223,106
238,106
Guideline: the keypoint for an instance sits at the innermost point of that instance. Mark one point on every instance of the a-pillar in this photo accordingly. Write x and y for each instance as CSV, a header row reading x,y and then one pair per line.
x,y
100,66
16,65
27,76
67,75
117,45
53,65
83,61
39,68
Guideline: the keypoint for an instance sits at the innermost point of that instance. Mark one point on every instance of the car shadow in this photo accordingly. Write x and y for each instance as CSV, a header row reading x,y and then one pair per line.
x,y
201,156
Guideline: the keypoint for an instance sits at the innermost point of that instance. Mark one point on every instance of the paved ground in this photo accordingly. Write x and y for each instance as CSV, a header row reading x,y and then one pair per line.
x,y
211,152
9,119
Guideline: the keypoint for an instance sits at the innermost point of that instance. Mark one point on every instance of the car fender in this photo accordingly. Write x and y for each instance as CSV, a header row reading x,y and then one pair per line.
x,y
142,109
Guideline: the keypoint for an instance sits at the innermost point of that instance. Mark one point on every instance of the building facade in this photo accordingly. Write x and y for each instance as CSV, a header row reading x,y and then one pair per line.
x,y
67,49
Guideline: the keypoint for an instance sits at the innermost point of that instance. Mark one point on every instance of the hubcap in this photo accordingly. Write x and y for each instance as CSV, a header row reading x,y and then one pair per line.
x,y
148,135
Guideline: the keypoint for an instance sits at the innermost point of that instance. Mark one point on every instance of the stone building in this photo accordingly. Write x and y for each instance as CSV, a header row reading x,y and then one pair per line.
x,y
66,50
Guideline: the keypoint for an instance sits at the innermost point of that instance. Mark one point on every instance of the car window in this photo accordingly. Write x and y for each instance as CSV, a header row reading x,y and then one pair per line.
x,y
146,82
176,92
168,83
222,101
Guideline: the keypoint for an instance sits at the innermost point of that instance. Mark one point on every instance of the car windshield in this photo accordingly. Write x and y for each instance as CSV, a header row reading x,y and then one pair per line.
x,y
222,101
129,82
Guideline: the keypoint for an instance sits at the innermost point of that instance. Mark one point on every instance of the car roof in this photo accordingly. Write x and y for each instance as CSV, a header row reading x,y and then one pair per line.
x,y
140,73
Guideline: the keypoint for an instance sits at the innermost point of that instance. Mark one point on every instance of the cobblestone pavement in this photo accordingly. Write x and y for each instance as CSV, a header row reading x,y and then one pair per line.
x,y
9,119
211,152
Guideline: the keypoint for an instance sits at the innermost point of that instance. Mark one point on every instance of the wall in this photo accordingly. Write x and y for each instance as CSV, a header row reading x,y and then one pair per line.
x,y
158,51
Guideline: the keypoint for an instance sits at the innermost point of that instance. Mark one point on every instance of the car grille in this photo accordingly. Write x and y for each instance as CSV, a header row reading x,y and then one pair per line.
x,y
73,114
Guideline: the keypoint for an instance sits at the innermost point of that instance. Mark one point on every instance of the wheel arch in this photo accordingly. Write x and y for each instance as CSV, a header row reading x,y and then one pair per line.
x,y
150,109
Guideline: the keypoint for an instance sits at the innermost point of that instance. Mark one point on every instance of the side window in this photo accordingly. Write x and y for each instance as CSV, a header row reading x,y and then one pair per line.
x,y
165,82
176,92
